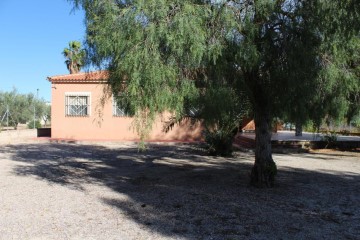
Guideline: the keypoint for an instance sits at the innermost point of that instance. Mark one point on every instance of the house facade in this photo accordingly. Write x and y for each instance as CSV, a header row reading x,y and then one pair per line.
x,y
83,109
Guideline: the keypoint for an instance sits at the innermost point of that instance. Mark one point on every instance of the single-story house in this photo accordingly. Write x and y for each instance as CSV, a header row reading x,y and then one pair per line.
x,y
83,108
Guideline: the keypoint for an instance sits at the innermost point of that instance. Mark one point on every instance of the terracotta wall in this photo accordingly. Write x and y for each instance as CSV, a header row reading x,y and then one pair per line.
x,y
101,125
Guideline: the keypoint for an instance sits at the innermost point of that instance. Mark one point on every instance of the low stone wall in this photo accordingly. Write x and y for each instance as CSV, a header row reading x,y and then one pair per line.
x,y
341,145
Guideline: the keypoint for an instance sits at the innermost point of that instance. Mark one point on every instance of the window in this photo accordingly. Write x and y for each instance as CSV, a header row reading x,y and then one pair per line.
x,y
77,104
117,110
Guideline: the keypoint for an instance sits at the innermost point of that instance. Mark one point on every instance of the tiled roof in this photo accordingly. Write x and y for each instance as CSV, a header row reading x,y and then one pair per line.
x,y
98,76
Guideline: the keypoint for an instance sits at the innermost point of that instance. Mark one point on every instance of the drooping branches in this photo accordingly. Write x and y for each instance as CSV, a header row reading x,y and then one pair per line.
x,y
271,50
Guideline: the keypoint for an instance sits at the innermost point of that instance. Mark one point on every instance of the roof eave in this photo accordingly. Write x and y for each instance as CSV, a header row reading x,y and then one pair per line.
x,y
75,81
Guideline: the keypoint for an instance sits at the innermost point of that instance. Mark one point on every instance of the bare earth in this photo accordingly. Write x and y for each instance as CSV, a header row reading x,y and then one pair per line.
x,y
112,191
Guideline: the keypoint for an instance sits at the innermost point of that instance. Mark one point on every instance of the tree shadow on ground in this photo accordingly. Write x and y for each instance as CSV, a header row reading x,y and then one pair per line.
x,y
179,192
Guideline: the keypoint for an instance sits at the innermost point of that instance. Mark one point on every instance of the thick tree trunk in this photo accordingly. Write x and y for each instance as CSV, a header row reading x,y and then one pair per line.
x,y
264,170
298,129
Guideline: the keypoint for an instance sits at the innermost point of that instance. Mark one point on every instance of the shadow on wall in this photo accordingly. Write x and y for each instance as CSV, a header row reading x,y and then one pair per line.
x,y
179,192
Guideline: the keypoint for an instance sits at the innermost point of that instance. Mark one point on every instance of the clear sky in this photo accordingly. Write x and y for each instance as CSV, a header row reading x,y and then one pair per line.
x,y
33,35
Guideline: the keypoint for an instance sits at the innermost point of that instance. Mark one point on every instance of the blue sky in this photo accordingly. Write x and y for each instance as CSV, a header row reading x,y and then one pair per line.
x,y
33,36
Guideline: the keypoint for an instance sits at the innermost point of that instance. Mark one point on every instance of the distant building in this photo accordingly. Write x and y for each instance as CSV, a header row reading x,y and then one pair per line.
x,y
83,109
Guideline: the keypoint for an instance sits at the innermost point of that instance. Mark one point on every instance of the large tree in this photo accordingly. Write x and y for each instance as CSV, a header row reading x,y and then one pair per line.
x,y
273,50
347,65
353,63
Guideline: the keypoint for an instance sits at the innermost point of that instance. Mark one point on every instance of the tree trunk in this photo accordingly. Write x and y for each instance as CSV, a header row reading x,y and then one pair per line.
x,y
72,67
298,129
264,170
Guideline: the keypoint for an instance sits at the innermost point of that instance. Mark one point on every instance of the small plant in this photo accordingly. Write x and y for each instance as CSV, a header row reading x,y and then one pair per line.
x,y
219,142
329,138
31,124
345,132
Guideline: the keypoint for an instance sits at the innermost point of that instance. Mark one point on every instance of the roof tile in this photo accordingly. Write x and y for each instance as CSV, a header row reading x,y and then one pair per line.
x,y
97,76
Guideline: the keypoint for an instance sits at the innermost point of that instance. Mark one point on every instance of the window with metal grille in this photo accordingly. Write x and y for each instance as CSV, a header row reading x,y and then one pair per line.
x,y
77,104
117,110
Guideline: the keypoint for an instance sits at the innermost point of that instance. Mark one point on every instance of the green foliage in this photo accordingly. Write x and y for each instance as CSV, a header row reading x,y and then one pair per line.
x,y
345,132
339,95
151,46
164,52
265,48
309,126
124,103
356,121
329,138
221,110
20,107
31,124
353,68
75,57
219,143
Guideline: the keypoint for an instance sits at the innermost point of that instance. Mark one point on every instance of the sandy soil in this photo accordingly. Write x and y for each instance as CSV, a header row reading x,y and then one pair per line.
x,y
17,136
112,191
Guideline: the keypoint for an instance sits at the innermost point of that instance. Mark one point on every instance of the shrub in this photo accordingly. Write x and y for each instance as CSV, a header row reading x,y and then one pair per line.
x,y
330,138
345,132
31,124
219,142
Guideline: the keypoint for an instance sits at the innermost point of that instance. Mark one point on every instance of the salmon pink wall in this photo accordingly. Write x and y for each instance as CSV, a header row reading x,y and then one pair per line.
x,y
101,124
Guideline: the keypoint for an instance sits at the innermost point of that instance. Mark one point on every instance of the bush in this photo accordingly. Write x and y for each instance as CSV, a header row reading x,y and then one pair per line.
x,y
330,138
309,126
345,132
31,124
219,143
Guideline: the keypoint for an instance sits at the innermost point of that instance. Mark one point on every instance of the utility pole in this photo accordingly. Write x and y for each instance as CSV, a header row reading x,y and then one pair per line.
x,y
7,115
37,95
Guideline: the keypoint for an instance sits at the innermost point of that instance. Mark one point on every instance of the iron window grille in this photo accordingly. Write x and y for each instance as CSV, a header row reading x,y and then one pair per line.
x,y
117,110
77,104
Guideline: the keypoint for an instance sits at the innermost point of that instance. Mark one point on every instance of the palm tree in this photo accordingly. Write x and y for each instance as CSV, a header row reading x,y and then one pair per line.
x,y
74,56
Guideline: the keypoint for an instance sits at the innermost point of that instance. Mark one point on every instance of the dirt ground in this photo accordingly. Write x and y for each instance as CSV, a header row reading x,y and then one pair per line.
x,y
16,136
113,191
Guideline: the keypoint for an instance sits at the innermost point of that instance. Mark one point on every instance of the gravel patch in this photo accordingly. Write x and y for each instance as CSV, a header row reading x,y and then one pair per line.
x,y
16,136
113,191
